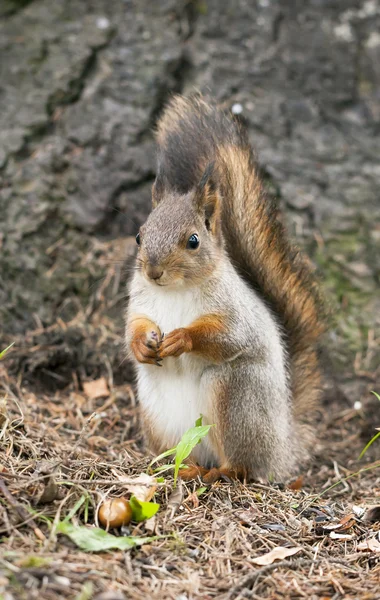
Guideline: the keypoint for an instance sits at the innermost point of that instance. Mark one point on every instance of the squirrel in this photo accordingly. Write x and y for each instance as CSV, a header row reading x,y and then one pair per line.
x,y
223,318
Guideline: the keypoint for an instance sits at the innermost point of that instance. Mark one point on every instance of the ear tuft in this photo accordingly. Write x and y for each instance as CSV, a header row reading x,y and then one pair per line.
x,y
158,189
208,200
207,179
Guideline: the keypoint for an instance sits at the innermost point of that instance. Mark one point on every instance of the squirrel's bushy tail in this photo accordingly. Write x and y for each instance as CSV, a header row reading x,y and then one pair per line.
x,y
192,133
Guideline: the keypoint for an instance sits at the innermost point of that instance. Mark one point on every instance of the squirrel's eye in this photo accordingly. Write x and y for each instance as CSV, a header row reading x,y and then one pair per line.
x,y
138,239
193,242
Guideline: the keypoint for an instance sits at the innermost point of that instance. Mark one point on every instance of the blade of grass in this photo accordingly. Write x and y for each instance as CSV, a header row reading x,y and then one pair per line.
x,y
3,352
356,474
75,509
362,453
163,455
377,435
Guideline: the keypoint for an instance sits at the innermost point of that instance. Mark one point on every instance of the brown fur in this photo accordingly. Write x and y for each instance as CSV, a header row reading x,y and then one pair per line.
x,y
145,339
210,476
201,337
192,133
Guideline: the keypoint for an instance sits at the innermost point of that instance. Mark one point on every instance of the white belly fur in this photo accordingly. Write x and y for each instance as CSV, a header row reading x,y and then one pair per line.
x,y
175,395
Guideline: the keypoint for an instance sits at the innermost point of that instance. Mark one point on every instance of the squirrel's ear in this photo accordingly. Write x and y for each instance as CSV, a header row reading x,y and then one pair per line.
x,y
208,200
158,189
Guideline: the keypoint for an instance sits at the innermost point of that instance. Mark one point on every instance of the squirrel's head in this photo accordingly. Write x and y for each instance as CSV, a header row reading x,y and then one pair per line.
x,y
181,241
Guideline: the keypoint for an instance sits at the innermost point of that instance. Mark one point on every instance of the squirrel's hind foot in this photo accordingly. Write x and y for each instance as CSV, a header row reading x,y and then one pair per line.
x,y
210,476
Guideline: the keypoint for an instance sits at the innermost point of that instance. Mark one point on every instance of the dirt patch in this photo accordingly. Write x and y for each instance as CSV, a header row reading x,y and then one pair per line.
x,y
210,544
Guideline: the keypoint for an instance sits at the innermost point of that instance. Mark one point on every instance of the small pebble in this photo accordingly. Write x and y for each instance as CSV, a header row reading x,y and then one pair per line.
x,y
102,23
237,109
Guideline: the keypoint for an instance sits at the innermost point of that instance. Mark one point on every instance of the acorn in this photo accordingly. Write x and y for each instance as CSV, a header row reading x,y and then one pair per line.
x,y
115,512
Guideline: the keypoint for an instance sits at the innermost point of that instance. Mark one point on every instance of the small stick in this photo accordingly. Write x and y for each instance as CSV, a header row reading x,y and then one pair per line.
x,y
21,510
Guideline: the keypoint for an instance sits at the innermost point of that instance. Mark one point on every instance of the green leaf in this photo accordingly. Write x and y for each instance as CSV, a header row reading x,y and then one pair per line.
x,y
201,491
3,353
189,440
141,511
92,539
374,393
163,455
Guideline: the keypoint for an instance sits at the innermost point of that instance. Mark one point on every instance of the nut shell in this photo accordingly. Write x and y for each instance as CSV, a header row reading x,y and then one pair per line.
x,y
115,512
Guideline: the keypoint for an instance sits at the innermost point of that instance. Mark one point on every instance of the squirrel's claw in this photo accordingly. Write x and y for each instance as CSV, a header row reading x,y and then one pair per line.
x,y
144,352
176,343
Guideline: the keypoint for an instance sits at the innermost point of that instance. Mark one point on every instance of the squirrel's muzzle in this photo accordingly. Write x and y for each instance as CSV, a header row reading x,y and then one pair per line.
x,y
154,272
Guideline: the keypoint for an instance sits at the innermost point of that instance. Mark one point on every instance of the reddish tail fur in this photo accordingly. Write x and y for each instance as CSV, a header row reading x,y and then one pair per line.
x,y
193,133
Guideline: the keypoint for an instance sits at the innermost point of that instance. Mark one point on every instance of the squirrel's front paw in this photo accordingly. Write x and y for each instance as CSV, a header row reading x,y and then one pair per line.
x,y
176,343
145,347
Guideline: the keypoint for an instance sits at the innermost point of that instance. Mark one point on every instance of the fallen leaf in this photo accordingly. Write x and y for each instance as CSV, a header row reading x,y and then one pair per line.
x,y
273,526
143,487
347,518
297,484
50,488
347,522
142,511
49,493
175,499
278,553
371,545
358,510
341,536
93,539
248,516
193,498
96,389
372,514
327,528
150,524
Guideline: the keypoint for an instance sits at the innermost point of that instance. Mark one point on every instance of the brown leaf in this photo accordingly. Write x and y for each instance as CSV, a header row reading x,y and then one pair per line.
x,y
143,487
150,524
297,484
372,514
193,498
50,492
175,499
96,389
371,545
347,522
248,516
278,553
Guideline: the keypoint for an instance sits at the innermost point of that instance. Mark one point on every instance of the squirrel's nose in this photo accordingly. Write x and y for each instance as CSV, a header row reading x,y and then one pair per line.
x,y
154,272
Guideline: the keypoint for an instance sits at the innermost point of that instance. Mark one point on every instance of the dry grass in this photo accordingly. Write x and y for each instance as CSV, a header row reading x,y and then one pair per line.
x,y
64,444
211,540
